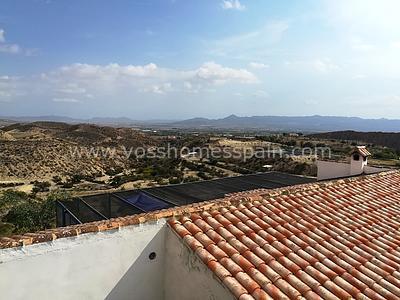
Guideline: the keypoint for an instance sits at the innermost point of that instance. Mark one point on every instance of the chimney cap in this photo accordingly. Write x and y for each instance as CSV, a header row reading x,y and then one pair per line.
x,y
362,150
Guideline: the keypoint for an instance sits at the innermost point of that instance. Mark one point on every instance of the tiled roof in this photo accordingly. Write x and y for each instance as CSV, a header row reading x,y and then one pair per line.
x,y
336,240
361,150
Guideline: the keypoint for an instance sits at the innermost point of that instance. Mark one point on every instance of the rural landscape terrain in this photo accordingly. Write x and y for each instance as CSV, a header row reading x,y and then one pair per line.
x,y
43,161
43,155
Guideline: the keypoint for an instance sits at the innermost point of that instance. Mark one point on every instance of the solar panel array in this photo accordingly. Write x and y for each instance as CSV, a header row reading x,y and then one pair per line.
x,y
119,204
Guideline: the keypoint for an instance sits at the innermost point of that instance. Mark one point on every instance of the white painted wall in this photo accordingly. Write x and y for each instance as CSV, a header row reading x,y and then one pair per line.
x,y
187,277
331,169
109,265
112,264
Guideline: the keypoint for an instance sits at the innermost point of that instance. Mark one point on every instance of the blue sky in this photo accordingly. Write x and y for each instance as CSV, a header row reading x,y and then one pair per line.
x,y
175,59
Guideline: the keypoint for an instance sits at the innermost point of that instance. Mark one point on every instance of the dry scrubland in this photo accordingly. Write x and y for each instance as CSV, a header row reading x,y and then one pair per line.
x,y
42,150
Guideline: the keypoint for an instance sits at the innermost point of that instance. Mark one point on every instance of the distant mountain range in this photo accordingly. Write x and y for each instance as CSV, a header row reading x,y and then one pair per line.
x,y
123,122
271,123
307,123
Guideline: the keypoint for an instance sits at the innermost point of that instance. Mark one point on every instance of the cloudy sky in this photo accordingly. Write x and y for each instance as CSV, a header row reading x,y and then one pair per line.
x,y
174,59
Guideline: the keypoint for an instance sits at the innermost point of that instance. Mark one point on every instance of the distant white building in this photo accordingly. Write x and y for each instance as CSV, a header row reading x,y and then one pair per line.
x,y
357,165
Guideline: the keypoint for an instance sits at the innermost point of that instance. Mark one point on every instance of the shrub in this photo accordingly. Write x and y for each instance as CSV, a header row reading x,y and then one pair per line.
x,y
22,213
10,198
40,186
6,229
57,179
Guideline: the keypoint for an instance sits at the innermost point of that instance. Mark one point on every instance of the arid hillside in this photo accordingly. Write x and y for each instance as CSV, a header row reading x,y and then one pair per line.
x,y
46,149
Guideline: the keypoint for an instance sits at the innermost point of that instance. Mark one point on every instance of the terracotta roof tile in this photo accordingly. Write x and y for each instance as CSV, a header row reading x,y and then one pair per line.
x,y
203,239
214,236
332,240
247,282
204,255
361,150
192,242
246,297
218,269
274,291
234,286
216,251
260,294
269,272
231,266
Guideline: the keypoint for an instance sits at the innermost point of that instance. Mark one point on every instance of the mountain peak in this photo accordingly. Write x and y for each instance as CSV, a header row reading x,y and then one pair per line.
x,y
231,117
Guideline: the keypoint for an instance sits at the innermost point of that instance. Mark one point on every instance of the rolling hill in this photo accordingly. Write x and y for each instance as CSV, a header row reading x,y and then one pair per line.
x,y
45,149
387,139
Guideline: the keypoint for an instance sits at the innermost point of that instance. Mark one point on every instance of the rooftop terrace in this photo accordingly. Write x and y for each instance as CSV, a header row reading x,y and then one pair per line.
x,y
330,240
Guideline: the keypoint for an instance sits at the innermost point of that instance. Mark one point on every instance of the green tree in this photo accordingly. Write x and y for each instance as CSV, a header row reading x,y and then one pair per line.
x,y
9,199
21,213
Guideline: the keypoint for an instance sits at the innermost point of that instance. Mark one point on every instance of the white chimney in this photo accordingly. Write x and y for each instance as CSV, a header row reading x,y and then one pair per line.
x,y
358,160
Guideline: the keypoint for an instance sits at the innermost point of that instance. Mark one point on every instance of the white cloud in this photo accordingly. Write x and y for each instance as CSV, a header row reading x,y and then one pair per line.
x,y
270,33
9,48
66,100
76,77
191,87
2,38
232,4
81,81
250,45
218,74
317,65
324,65
104,72
160,89
72,88
257,65
187,85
